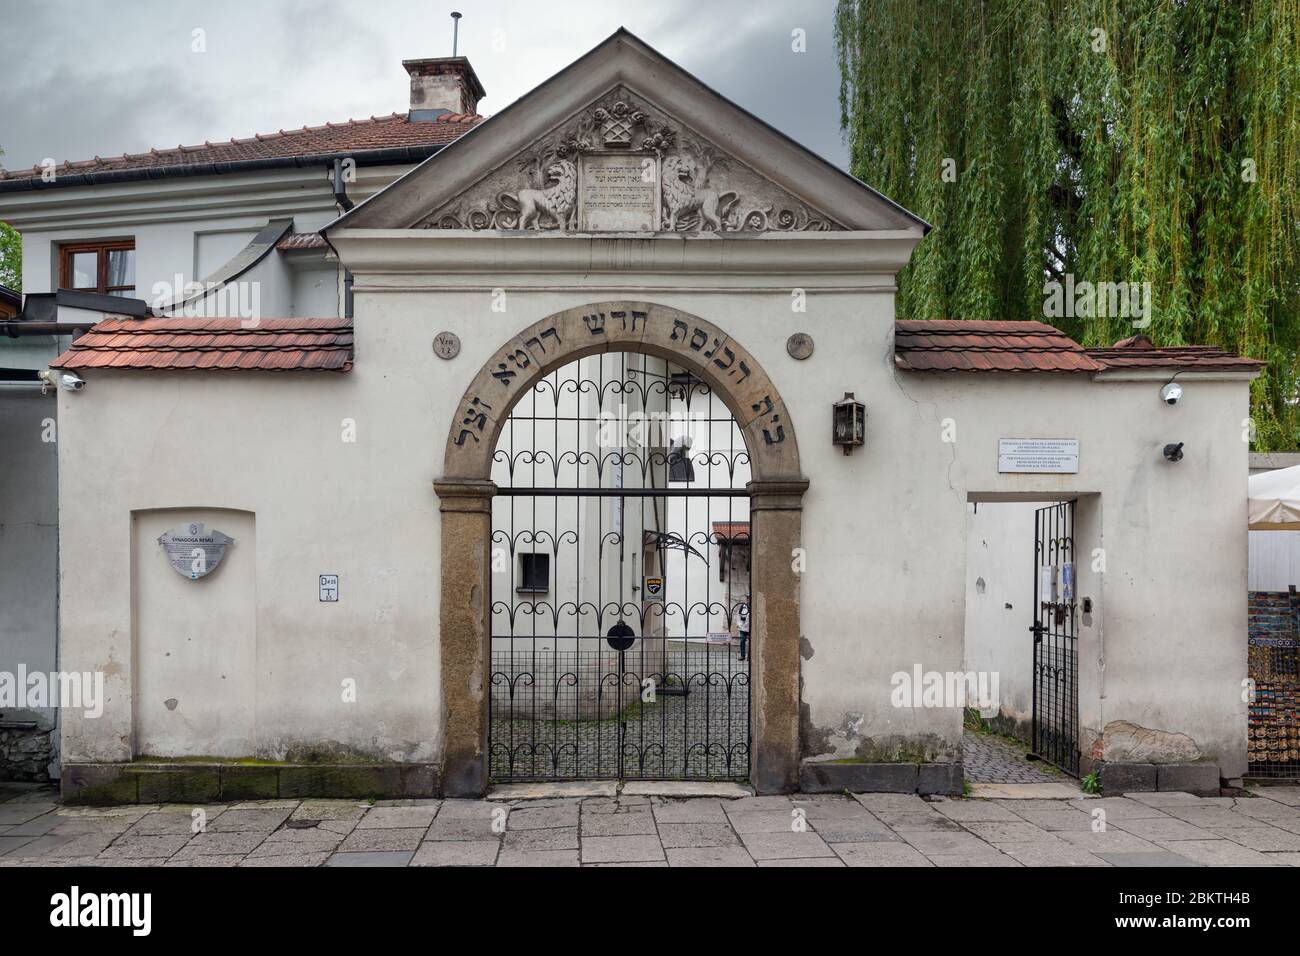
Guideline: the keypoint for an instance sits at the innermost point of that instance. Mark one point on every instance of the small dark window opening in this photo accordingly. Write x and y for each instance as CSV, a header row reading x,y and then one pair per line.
x,y
534,573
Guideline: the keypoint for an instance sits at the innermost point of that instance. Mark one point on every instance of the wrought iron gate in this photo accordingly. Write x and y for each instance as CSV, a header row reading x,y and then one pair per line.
x,y
620,579
1056,652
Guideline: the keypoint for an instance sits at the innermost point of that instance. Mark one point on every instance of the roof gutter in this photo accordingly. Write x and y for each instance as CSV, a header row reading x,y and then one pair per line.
x,y
362,157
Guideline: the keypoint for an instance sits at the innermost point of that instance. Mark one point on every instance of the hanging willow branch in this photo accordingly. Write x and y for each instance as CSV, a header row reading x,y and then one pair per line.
x,y
1108,140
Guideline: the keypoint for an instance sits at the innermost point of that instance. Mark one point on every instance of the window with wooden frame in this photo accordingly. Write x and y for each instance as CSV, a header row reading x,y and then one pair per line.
x,y
107,267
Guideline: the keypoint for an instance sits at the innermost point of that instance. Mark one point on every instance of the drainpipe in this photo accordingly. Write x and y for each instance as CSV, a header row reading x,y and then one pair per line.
x,y
345,204
340,187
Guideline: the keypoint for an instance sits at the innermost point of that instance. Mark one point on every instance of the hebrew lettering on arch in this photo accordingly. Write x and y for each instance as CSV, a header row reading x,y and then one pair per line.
x,y
621,315
595,323
474,415
765,407
679,324
536,340
460,439
519,358
731,359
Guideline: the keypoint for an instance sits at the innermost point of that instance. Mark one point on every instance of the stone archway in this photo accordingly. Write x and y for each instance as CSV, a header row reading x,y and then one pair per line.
x,y
466,489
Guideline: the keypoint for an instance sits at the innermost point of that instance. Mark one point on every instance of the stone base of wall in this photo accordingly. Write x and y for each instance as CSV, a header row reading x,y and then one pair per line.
x,y
25,754
1119,777
139,782
824,776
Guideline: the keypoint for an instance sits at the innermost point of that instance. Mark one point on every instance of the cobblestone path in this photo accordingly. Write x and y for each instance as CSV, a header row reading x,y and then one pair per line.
x,y
987,758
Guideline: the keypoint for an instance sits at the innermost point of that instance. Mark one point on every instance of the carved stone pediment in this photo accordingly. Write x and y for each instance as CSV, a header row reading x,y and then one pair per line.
x,y
622,165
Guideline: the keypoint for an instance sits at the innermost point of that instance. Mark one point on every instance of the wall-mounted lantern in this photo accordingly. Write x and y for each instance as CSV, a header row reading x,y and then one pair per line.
x,y
850,422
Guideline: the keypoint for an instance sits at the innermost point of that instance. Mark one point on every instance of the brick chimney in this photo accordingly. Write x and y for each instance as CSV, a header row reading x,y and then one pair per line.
x,y
440,85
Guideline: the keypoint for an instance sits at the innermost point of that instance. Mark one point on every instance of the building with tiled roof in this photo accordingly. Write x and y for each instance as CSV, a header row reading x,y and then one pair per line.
x,y
413,495
212,238
182,225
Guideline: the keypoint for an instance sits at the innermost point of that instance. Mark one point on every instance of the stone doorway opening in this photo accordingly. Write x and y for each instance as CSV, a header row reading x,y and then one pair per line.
x,y
620,583
775,492
1024,602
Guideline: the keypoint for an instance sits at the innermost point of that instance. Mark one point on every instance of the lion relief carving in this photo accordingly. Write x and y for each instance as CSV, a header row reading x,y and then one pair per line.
x,y
558,199
686,193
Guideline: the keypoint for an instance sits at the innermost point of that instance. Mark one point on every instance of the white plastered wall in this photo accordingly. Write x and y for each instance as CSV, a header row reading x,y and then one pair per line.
x,y
884,528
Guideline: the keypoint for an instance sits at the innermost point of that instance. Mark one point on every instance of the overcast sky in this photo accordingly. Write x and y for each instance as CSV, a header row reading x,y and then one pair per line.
x,y
92,77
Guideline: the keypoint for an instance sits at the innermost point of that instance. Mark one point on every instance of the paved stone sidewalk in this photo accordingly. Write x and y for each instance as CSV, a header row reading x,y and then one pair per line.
x,y
988,758
1162,829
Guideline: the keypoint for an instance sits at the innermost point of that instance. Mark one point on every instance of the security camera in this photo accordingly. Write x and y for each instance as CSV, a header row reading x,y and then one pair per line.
x,y
1174,452
1171,393
68,381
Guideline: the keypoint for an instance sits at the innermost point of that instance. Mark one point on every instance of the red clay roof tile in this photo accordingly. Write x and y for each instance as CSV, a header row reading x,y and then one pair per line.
x,y
1004,346
353,136
184,343
732,530
992,346
1137,352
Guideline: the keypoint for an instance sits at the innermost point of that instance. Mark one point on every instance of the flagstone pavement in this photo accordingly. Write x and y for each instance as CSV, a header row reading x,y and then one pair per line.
x,y
1141,829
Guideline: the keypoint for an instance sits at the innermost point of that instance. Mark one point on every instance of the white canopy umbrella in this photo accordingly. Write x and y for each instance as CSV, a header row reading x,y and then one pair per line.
x,y
1275,500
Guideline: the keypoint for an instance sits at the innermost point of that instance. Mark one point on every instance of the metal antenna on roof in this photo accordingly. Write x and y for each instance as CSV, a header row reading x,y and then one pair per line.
x,y
455,34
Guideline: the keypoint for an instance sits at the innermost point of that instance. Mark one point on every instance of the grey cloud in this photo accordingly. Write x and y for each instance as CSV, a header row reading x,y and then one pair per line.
x,y
103,79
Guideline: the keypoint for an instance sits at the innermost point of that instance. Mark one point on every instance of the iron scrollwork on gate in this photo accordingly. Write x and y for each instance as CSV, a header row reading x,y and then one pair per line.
x,y
620,579
1056,653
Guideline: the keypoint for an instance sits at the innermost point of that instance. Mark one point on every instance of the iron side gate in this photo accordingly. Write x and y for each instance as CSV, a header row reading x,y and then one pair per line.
x,y
1056,652
620,580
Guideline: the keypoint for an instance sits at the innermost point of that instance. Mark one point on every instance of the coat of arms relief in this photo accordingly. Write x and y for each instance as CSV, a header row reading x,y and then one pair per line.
x,y
621,166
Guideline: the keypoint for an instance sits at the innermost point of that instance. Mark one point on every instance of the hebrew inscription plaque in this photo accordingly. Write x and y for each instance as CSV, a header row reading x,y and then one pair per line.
x,y
618,192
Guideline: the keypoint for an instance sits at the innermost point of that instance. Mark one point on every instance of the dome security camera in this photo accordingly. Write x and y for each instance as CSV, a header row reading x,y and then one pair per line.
x,y
1171,393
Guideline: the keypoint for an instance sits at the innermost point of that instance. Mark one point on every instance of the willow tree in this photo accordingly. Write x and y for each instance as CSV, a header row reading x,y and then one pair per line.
x,y
11,254
1136,141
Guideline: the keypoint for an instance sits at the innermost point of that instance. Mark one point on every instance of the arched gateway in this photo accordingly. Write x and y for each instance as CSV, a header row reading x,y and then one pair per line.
x,y
580,669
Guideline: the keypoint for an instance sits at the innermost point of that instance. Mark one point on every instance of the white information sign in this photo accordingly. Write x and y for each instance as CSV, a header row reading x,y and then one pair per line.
x,y
329,587
1058,456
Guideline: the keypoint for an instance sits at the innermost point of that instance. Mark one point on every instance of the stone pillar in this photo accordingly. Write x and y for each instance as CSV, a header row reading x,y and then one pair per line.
x,y
776,513
466,507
